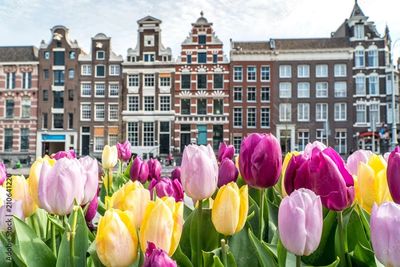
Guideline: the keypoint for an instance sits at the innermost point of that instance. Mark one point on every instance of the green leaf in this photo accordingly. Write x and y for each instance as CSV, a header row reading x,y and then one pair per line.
x,y
264,254
33,250
282,253
363,256
185,238
333,264
358,234
5,251
241,248
80,242
181,259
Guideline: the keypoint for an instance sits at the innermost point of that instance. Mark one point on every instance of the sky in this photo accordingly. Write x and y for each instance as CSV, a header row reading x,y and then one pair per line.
x,y
27,22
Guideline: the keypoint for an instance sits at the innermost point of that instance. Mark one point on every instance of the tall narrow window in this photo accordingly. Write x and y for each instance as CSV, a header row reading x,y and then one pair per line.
x,y
24,142
10,83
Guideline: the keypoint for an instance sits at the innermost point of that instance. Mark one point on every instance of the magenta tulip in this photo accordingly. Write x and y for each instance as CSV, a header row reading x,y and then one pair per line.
x,y
90,173
227,172
176,174
154,169
393,174
139,170
166,187
260,160
199,171
156,257
92,209
124,151
324,173
385,233
64,154
60,185
225,151
355,158
3,173
300,222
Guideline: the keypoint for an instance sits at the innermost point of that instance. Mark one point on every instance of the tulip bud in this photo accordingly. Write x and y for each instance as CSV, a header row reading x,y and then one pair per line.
x,y
109,157
3,173
225,151
132,197
310,147
260,160
92,209
285,164
199,171
227,172
154,169
166,187
300,222
354,160
157,257
385,234
162,224
116,239
124,150
393,174
139,170
230,207
34,176
176,174
20,191
64,154
60,185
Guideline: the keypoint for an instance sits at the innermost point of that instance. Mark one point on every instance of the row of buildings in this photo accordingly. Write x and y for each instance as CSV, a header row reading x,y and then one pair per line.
x,y
337,90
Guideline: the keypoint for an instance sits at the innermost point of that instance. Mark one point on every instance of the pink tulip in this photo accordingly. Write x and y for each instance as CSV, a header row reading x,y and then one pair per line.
x,y
90,173
260,160
156,257
310,147
300,222
64,154
385,233
199,171
176,174
225,151
139,170
3,173
60,185
124,150
154,169
355,158
227,172
167,187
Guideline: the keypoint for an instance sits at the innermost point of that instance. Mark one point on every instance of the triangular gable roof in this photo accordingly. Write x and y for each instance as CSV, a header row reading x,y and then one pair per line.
x,y
357,12
148,19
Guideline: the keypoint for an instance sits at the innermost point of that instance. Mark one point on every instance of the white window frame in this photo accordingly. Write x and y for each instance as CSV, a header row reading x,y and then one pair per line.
x,y
321,111
373,77
147,104
264,70
115,70
361,107
252,92
359,31
340,91
360,77
321,70
96,105
105,71
237,90
359,57
97,55
340,70
237,112
321,89
95,90
285,90
285,112
86,70
248,113
82,117
165,105
110,110
263,115
149,80
303,138
148,141
165,81
151,55
98,147
132,132
302,90
303,112
134,104
373,56
285,71
267,91
83,89
340,112
132,80
236,71
341,135
303,71
111,90
248,72
374,107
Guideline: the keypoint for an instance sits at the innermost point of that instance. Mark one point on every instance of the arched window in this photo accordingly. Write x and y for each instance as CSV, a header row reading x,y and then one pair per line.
x,y
359,56
373,56
373,84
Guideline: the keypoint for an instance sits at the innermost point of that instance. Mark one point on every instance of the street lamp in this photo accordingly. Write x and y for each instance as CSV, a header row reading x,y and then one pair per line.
x,y
394,122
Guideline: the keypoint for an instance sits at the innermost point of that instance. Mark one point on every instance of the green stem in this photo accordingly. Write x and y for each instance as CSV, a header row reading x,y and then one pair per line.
x,y
225,249
36,225
109,183
53,238
72,237
342,247
199,233
298,261
261,218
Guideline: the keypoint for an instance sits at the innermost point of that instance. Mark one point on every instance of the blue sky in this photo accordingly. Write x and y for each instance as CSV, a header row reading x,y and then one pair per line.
x,y
27,22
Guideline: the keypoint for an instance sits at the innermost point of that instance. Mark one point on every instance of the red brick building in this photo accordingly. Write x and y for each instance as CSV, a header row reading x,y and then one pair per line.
x,y
201,89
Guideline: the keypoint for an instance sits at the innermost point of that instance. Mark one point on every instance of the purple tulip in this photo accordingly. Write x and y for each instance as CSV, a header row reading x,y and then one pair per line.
x,y
393,174
90,172
167,187
176,174
199,171
139,170
310,147
324,173
124,150
156,257
227,172
300,222
154,169
225,151
260,160
385,233
92,209
355,158
64,154
60,185
3,173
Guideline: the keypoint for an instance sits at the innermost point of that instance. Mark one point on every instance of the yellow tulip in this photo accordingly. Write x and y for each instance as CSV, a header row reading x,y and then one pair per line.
x,y
34,175
20,191
288,157
162,224
371,183
229,211
109,157
116,239
132,197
